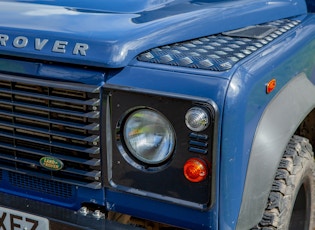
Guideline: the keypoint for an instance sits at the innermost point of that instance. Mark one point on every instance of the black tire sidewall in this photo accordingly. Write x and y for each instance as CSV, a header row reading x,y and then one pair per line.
x,y
306,179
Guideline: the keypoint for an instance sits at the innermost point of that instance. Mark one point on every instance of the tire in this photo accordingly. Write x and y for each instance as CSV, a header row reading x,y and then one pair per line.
x,y
291,202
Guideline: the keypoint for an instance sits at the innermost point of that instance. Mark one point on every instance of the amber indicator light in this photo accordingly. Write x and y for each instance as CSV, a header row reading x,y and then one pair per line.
x,y
195,170
271,85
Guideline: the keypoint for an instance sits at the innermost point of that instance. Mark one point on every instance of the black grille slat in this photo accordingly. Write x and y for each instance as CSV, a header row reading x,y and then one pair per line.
x,y
92,150
92,174
12,163
76,182
91,102
198,143
92,162
92,114
92,126
93,138
40,118
35,164
47,83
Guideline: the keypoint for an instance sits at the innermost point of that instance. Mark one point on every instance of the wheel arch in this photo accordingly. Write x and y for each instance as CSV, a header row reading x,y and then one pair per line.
x,y
290,111
307,127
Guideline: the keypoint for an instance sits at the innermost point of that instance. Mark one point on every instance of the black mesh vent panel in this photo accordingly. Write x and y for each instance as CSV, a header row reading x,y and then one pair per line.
x,y
33,183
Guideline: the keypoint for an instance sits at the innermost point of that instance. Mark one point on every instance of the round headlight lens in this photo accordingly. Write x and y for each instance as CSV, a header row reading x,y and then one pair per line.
x,y
149,136
197,119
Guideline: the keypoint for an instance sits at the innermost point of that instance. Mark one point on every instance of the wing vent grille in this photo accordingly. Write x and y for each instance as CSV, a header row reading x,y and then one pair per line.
x,y
218,52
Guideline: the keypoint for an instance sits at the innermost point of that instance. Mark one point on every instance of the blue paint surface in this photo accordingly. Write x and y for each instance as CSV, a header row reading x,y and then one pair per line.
x,y
117,33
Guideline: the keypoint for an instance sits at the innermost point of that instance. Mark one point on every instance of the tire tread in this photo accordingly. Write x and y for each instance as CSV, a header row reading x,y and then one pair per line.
x,y
298,157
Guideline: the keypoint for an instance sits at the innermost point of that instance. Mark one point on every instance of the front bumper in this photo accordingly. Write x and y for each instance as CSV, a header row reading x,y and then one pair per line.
x,y
59,218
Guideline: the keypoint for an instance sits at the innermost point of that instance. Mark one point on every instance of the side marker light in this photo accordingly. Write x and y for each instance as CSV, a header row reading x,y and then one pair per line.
x,y
271,85
195,170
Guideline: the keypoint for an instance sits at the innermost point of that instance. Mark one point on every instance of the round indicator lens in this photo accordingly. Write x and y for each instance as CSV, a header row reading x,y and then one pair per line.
x,y
149,136
195,170
197,119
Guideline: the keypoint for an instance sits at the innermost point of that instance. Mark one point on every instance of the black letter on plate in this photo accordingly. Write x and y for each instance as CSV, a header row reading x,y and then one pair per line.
x,y
2,221
13,224
34,222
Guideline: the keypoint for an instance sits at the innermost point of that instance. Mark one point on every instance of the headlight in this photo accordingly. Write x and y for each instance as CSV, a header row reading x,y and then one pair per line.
x,y
149,136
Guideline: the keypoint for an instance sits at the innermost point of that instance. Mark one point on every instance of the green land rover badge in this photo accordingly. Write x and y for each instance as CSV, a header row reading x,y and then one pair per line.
x,y
51,163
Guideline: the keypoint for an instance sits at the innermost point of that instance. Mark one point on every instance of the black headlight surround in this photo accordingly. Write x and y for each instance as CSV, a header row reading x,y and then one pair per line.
x,y
164,181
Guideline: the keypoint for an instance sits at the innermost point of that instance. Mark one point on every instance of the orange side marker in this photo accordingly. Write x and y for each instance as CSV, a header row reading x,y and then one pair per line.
x,y
271,85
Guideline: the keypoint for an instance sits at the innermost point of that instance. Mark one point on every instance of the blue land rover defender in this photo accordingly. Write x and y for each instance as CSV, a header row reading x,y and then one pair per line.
x,y
157,114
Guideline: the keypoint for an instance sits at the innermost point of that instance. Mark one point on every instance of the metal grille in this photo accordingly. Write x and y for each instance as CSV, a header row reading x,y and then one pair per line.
x,y
218,52
40,118
32,183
